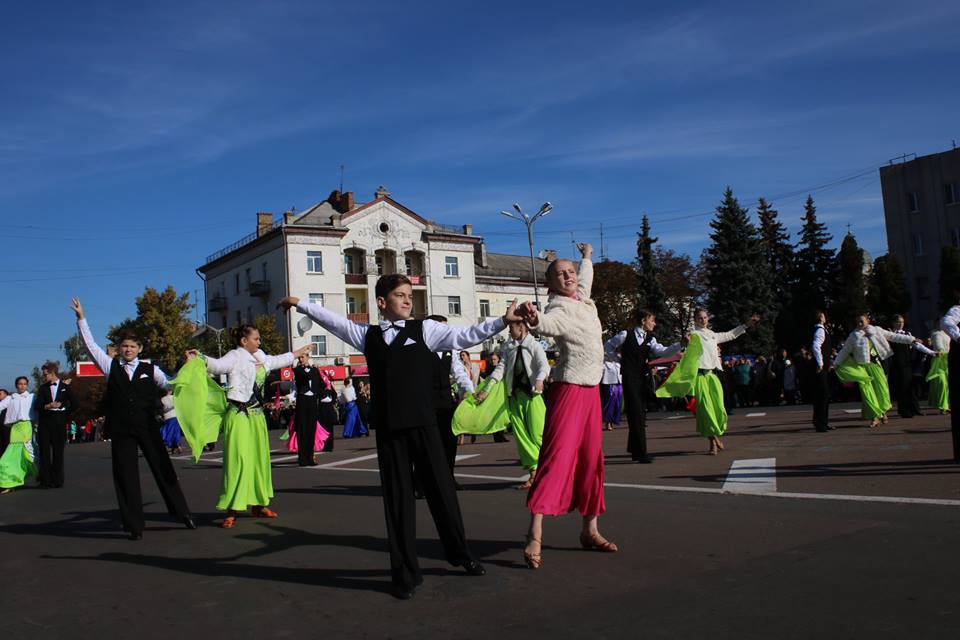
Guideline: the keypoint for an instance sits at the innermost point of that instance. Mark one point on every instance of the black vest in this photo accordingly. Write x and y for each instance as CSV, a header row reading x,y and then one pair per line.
x,y
402,378
304,377
442,386
130,406
635,356
902,358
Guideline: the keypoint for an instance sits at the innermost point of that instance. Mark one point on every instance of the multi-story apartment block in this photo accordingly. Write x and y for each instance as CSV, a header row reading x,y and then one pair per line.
x,y
333,253
921,204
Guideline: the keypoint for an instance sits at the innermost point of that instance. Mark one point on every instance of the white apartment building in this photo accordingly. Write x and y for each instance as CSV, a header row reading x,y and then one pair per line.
x,y
333,253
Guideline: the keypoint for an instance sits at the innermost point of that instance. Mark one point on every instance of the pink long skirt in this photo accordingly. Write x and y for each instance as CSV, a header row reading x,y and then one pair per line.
x,y
570,471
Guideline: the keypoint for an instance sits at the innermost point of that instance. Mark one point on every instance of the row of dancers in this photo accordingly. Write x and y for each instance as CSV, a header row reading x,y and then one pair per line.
x,y
412,409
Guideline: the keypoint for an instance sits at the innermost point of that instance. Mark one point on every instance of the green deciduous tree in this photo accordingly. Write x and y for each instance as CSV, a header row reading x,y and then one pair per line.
x,y
615,294
271,340
163,324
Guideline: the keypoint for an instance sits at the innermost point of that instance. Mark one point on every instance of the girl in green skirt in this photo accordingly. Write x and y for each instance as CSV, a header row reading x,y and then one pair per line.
x,y
16,462
247,476
937,376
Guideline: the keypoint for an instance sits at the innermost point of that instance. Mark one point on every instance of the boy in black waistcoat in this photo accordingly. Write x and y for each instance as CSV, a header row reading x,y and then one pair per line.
x,y
402,363
636,348
54,406
309,383
131,406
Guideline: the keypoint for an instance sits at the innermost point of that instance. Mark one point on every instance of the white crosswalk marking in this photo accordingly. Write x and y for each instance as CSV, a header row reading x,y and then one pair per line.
x,y
758,475
759,414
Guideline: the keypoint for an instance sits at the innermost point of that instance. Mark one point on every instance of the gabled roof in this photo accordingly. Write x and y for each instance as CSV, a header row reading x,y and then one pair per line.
x,y
392,203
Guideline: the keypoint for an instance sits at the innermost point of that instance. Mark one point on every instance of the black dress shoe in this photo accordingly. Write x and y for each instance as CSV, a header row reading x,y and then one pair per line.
x,y
401,592
189,523
135,535
474,568
643,459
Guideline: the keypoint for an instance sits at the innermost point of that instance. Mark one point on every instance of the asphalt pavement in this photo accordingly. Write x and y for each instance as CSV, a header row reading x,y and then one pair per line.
x,y
788,533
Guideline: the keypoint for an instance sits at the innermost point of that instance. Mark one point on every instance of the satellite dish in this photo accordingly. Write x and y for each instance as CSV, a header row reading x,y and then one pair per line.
x,y
304,324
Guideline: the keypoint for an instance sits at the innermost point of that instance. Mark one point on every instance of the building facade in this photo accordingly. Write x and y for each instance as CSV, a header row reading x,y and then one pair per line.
x,y
333,253
921,204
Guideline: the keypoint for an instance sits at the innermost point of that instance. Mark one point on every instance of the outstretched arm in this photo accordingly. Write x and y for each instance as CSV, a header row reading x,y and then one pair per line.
x,y
585,272
350,332
99,355
439,336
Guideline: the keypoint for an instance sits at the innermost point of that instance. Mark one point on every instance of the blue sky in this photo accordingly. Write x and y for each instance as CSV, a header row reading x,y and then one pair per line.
x,y
136,138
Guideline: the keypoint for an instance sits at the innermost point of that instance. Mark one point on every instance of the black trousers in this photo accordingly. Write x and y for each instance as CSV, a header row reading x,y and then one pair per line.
x,y
901,381
305,426
403,454
821,399
953,381
328,418
51,439
4,436
445,427
636,406
126,476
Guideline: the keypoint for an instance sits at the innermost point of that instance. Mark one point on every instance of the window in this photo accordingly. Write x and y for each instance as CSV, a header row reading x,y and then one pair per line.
x,y
453,305
452,266
379,261
239,319
316,298
955,237
351,304
314,262
923,288
319,345
484,308
236,283
408,263
951,193
349,264
223,288
913,201
263,271
917,244
247,271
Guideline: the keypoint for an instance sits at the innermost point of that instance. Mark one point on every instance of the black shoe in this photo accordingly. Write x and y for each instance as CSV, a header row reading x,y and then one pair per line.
x,y
417,494
401,592
500,437
643,460
189,523
474,568
135,535
457,486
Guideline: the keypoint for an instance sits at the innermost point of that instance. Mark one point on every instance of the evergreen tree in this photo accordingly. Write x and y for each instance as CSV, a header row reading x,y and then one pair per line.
x,y
738,279
949,277
887,293
850,292
813,276
649,292
778,252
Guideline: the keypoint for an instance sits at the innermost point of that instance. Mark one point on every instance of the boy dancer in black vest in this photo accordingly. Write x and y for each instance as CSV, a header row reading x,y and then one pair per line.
x,y
309,384
637,348
130,408
822,352
402,363
54,405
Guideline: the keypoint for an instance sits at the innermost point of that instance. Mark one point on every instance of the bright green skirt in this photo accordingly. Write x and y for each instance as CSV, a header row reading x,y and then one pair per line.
x,y
17,463
247,478
874,392
490,416
939,388
527,415
711,413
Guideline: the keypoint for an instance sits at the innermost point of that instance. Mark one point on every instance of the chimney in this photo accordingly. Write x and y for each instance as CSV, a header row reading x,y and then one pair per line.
x,y
336,220
468,229
480,254
288,217
342,202
264,223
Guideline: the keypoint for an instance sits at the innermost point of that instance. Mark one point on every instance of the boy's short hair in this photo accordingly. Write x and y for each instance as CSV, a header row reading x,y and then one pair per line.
x,y
24,378
437,318
386,284
131,335
4,391
51,367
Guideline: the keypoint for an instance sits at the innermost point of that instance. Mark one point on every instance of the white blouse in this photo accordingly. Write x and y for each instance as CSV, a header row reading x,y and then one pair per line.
x,y
241,368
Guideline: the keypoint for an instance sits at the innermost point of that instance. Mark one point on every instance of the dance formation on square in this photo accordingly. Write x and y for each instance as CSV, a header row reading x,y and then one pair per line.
x,y
422,395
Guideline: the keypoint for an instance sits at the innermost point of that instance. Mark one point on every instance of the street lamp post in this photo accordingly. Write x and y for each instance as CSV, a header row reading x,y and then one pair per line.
x,y
199,332
528,222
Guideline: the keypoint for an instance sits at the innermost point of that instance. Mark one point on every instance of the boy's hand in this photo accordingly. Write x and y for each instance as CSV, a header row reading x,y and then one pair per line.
x,y
77,308
289,301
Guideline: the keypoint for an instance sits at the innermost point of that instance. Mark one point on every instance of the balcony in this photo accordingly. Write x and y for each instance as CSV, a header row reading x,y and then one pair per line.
x,y
259,288
359,318
355,278
418,279
217,303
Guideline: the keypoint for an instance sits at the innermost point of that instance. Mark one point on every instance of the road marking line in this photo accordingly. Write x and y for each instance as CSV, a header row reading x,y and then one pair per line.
x,y
757,415
347,461
758,475
851,410
467,456
285,458
676,417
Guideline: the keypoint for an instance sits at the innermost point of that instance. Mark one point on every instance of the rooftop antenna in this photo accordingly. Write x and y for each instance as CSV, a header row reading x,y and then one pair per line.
x,y
341,178
603,248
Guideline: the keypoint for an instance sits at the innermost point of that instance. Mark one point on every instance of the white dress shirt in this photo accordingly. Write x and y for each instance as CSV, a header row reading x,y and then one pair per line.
x,y
656,349
104,361
949,323
611,372
437,336
19,407
349,394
